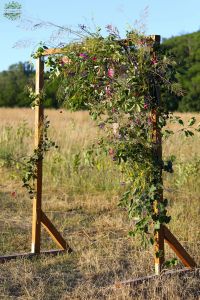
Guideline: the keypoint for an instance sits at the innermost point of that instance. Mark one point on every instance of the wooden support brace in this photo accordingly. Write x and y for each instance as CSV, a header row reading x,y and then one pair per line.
x,y
186,259
53,232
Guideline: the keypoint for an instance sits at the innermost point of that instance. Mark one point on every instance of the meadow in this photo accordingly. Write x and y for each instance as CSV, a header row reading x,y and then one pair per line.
x,y
81,198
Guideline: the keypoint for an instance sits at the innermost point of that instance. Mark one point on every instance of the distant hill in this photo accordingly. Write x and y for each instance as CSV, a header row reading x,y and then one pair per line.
x,y
186,49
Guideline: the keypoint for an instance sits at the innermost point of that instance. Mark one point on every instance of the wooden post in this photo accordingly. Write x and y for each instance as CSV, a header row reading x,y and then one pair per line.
x,y
39,119
39,216
157,156
163,234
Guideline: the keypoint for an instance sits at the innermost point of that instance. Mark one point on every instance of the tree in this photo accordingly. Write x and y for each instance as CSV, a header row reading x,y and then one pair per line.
x,y
186,50
13,83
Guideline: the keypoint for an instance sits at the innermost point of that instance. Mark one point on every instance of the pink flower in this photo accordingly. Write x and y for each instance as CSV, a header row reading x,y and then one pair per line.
x,y
111,73
108,91
83,55
154,61
146,106
94,58
111,152
65,60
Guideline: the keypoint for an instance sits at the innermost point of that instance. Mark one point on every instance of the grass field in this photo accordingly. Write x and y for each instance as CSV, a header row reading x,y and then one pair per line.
x,y
82,203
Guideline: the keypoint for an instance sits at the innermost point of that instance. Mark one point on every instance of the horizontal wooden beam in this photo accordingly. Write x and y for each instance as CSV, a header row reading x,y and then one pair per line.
x,y
30,255
53,51
164,274
186,259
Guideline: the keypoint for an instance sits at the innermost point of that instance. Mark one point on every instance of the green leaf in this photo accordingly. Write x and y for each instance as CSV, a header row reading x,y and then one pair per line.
x,y
188,133
192,121
157,225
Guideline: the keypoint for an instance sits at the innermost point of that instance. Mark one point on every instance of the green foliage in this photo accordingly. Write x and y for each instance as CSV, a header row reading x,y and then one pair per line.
x,y
117,81
13,83
186,51
17,82
31,162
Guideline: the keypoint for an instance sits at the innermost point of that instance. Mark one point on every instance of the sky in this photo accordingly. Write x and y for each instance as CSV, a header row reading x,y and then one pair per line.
x,y
164,17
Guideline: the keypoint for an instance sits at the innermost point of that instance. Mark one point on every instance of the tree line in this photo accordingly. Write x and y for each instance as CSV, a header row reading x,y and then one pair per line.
x,y
185,49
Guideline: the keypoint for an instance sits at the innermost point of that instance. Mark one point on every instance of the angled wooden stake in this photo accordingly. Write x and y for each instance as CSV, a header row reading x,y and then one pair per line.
x,y
39,119
186,259
53,232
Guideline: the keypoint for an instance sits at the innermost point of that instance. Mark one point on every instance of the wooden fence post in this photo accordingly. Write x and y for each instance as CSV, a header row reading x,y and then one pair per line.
x,y
159,252
163,234
39,216
39,119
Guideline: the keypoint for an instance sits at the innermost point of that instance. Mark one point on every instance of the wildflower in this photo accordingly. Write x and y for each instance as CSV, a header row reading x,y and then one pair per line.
x,y
109,27
111,152
111,73
94,58
114,110
83,55
13,194
108,91
65,60
102,125
146,106
112,30
154,61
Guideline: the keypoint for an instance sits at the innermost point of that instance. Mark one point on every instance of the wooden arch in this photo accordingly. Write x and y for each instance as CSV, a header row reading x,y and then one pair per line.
x,y
160,236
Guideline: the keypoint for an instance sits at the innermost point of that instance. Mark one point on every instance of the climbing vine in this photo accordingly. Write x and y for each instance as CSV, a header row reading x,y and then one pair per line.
x,y
117,81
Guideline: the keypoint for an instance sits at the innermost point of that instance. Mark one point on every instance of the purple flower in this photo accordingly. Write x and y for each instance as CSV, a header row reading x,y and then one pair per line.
x,y
83,55
109,27
112,30
102,125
